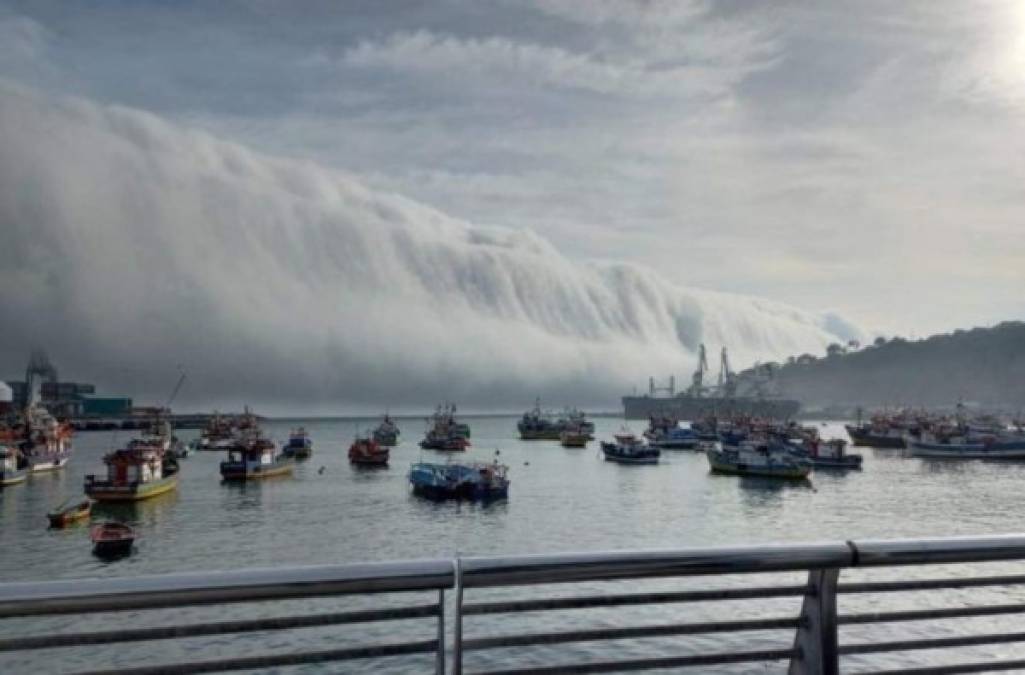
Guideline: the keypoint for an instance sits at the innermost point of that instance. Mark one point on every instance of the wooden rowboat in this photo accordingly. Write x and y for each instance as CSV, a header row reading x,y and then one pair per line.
x,y
112,539
71,510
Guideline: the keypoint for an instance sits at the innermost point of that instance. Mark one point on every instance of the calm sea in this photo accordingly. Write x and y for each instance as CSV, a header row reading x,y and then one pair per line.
x,y
560,500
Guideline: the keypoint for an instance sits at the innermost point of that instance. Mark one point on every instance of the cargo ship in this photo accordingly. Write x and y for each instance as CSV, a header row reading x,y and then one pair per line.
x,y
699,401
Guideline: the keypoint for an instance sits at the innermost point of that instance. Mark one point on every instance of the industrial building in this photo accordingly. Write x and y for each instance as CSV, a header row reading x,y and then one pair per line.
x,y
64,399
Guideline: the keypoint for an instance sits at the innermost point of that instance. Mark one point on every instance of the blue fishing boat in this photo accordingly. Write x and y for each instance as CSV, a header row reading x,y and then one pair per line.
x,y
299,445
831,454
628,449
460,481
676,439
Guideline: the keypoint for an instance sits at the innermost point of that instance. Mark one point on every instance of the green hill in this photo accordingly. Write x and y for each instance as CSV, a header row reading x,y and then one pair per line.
x,y
982,366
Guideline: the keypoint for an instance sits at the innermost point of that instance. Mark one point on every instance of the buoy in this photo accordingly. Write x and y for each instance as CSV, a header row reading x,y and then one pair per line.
x,y
321,469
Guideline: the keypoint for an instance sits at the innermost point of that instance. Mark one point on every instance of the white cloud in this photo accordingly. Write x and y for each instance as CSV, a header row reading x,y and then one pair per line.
x,y
137,243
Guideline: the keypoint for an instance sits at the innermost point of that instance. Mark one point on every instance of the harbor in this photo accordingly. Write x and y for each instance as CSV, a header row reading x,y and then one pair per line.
x,y
330,511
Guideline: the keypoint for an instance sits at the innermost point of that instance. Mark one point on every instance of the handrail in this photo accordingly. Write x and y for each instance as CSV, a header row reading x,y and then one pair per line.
x,y
576,567
815,648
204,588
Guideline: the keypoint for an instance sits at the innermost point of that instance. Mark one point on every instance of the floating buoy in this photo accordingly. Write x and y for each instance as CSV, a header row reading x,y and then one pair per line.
x,y
321,469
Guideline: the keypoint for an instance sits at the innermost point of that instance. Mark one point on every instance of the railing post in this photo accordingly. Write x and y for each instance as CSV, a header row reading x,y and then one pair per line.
x,y
439,665
457,644
816,639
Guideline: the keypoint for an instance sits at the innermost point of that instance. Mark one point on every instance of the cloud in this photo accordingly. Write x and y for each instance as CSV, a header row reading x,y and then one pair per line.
x,y
135,245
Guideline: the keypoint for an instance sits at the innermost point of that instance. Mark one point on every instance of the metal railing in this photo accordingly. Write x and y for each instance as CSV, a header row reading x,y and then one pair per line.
x,y
809,638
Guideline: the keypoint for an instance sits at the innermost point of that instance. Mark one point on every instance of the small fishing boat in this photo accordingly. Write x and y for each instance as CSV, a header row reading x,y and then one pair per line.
x,y
366,451
13,466
70,511
754,458
47,443
537,425
574,438
628,449
676,438
460,481
387,432
141,470
299,444
253,458
967,445
831,454
112,539
444,432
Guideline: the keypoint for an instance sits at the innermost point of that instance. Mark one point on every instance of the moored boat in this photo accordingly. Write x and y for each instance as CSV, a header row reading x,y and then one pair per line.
x,y
387,432
831,454
444,432
628,449
574,438
366,451
47,442
676,438
70,511
141,470
1004,446
754,458
537,425
299,444
460,481
13,466
252,458
112,539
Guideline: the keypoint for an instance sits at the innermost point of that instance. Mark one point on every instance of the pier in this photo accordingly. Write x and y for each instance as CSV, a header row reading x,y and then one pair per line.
x,y
442,595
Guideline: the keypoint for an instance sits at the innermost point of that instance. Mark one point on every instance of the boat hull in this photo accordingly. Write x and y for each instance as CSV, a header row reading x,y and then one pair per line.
x,y
52,463
233,471
13,477
539,435
864,439
65,518
631,460
996,451
721,463
613,454
105,491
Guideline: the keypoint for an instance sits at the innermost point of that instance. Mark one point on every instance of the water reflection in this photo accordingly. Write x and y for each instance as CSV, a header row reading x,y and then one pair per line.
x,y
147,512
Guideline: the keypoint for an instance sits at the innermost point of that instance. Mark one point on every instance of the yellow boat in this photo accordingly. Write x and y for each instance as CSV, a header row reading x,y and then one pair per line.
x,y
71,510
141,471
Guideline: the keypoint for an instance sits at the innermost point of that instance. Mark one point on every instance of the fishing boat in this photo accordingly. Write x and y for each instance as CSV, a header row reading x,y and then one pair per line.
x,y
252,458
576,419
387,432
628,449
755,458
460,481
112,539
676,438
444,432
218,435
831,454
46,445
141,470
367,451
70,511
968,445
537,425
13,466
574,438
299,444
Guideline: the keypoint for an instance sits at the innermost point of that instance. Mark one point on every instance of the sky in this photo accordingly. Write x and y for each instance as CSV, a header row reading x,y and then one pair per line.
x,y
770,175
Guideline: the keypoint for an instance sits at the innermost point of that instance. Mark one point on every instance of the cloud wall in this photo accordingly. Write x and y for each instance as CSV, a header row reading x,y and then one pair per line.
x,y
131,246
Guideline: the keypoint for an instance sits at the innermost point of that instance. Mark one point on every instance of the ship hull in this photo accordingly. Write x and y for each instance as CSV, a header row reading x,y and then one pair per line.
x,y
694,407
236,471
9,477
996,451
864,439
103,491
49,463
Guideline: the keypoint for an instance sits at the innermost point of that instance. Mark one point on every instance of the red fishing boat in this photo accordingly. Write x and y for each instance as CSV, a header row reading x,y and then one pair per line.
x,y
365,451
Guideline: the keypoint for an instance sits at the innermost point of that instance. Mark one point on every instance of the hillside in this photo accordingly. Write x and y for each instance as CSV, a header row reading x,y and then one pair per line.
x,y
982,366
